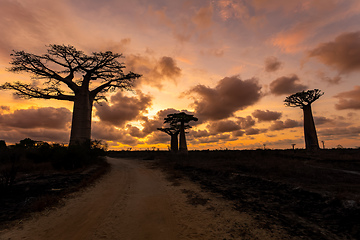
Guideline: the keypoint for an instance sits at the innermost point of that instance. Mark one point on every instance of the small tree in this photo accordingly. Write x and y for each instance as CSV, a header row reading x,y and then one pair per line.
x,y
64,66
304,100
181,118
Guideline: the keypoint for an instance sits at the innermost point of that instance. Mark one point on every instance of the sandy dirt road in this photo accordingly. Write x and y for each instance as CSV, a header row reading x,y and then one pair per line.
x,y
134,201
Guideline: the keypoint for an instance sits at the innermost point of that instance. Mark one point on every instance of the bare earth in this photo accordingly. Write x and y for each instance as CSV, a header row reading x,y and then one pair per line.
x,y
135,201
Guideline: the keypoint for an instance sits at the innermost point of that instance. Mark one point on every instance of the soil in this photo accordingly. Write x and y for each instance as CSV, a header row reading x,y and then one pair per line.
x,y
36,191
135,201
141,199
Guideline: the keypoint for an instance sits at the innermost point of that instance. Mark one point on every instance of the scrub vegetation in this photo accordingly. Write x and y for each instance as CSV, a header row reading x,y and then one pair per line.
x,y
36,175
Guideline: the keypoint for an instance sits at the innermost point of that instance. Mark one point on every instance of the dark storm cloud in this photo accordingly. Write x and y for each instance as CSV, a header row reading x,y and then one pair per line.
x,y
272,64
349,99
286,85
266,115
123,108
342,54
47,117
280,125
229,95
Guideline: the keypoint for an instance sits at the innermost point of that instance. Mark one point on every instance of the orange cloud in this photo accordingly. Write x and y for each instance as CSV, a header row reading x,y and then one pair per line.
x,y
154,71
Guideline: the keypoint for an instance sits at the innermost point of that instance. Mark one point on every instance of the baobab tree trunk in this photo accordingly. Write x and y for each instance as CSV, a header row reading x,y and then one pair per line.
x,y
81,119
183,146
174,143
311,140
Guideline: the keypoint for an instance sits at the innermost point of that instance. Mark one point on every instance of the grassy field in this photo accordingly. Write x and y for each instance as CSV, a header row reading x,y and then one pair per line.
x,y
306,193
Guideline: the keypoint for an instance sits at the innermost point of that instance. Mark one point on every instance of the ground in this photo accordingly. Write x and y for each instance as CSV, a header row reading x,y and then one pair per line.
x,y
186,199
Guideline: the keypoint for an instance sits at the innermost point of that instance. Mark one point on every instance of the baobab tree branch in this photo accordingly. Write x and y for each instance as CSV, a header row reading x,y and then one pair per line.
x,y
123,82
27,91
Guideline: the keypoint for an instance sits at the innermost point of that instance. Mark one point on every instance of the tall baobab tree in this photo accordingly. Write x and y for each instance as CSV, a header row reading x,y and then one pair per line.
x,y
181,118
304,100
173,131
86,77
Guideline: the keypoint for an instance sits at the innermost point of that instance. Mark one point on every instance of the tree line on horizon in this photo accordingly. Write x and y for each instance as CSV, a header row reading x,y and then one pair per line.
x,y
107,71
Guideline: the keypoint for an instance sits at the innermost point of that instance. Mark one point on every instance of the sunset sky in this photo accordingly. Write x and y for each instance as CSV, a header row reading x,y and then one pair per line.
x,y
231,63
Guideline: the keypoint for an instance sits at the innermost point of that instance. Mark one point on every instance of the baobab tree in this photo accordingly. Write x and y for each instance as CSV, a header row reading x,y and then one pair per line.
x,y
181,118
173,131
304,100
86,79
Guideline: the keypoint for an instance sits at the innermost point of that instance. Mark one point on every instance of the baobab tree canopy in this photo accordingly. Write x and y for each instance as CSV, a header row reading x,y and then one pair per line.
x,y
70,74
181,118
304,100
301,99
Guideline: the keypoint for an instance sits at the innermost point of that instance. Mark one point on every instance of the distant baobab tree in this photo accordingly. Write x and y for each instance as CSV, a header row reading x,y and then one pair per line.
x,y
304,100
182,118
64,66
173,131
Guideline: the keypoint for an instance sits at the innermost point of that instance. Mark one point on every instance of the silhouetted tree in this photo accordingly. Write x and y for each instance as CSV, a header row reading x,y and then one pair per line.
x,y
181,118
304,100
65,66
173,132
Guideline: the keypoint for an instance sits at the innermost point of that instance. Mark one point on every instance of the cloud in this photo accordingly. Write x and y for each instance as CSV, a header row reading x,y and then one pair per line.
x,y
286,85
340,131
48,117
38,134
349,99
229,95
246,122
322,120
342,54
223,126
272,64
266,115
123,108
154,71
200,133
4,108
110,133
280,125
254,131
203,18
331,81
